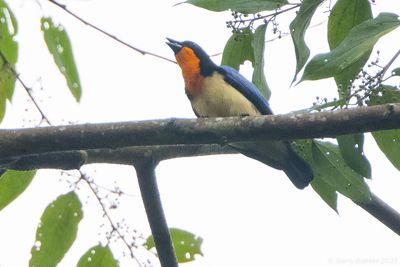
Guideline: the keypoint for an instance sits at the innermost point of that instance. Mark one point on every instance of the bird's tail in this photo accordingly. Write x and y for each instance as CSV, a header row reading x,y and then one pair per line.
x,y
279,155
298,171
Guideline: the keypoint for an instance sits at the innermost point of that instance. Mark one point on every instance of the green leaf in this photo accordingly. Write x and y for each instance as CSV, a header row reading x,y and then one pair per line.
x,y
98,256
242,6
186,244
351,148
298,29
387,140
57,230
59,45
323,189
9,54
384,94
12,184
238,49
358,43
248,46
330,166
345,15
258,45
396,72
3,99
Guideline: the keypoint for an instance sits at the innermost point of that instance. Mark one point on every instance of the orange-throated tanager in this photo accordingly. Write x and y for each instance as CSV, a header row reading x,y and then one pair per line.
x,y
221,91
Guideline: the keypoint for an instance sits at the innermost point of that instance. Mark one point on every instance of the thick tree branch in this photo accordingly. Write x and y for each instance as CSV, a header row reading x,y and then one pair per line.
x,y
383,212
15,143
155,214
67,160
70,146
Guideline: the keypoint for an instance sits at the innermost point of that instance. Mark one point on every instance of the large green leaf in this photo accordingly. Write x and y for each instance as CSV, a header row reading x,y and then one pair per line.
x,y
323,189
12,184
98,256
56,231
298,29
258,45
9,52
387,140
186,244
238,49
345,15
358,43
59,45
352,149
330,166
331,174
243,6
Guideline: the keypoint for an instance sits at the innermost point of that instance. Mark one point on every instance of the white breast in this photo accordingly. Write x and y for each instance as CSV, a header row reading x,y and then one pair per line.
x,y
220,99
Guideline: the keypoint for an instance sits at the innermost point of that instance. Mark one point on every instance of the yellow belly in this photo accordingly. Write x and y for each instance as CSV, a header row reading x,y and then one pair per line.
x,y
220,99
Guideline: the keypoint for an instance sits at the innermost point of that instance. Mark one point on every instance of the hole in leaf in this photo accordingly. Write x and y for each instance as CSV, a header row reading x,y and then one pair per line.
x,y
60,49
37,245
46,25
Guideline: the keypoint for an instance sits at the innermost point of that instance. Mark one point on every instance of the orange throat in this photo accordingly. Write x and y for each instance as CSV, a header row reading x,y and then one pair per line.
x,y
190,65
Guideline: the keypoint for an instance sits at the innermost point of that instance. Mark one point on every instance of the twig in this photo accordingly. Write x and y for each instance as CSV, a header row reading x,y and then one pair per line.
x,y
387,66
155,214
270,40
276,13
141,51
27,89
113,226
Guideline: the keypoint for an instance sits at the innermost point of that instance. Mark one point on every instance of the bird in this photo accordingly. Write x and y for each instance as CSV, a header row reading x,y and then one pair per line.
x,y
221,91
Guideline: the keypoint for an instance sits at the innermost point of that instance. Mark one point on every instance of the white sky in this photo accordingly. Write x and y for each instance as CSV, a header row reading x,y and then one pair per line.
x,y
247,213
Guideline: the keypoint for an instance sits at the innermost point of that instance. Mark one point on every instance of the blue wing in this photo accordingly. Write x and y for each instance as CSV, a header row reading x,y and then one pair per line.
x,y
248,89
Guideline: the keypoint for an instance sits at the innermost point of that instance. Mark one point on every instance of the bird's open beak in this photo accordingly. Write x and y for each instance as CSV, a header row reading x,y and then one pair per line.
x,y
175,45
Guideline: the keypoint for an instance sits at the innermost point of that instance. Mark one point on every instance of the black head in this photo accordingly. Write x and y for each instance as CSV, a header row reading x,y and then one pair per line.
x,y
207,66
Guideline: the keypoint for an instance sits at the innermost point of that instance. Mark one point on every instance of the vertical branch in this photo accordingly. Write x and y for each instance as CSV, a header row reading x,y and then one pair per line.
x,y
152,202
383,212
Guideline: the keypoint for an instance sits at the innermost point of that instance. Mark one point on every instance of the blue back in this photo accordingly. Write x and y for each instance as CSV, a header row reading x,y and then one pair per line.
x,y
248,89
